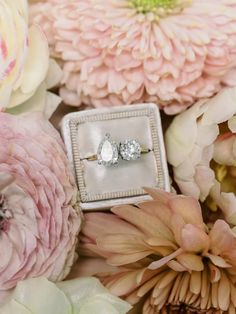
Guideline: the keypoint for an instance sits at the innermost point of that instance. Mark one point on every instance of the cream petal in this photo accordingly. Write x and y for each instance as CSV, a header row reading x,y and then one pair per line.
x,y
52,103
36,67
206,134
40,100
22,6
22,103
34,292
178,146
185,171
15,307
232,124
5,94
214,113
18,98
98,306
86,294
204,178
189,188
54,74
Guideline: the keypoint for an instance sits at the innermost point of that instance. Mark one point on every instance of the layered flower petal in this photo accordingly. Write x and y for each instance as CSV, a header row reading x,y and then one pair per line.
x,y
24,59
39,219
172,53
203,154
80,296
190,268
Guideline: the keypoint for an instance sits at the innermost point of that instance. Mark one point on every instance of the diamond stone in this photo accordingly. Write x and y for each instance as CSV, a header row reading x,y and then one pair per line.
x,y
107,152
130,150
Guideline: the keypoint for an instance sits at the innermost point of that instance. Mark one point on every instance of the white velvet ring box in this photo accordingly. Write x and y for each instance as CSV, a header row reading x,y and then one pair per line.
x,y
102,187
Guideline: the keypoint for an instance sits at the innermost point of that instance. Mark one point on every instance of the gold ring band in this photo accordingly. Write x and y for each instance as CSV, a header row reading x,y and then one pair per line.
x,y
95,157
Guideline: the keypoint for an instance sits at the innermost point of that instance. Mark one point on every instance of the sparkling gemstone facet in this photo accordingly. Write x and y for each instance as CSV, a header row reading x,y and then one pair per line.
x,y
107,152
130,150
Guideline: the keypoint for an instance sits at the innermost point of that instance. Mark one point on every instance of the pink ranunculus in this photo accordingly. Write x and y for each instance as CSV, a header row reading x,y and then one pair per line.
x,y
39,221
201,147
121,52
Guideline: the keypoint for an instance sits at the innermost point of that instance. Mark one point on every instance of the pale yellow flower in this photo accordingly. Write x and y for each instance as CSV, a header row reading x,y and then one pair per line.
x,y
26,70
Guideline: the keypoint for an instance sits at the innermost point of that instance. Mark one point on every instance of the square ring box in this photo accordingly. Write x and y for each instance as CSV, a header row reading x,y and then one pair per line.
x,y
101,187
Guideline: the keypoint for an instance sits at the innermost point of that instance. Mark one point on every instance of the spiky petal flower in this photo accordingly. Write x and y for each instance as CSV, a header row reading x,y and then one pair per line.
x,y
201,148
162,253
172,52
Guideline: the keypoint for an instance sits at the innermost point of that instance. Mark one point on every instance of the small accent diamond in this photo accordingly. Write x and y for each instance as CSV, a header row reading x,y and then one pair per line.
x,y
130,150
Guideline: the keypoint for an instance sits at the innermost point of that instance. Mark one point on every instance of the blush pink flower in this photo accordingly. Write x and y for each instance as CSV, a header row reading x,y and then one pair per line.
x,y
161,254
128,51
39,222
201,147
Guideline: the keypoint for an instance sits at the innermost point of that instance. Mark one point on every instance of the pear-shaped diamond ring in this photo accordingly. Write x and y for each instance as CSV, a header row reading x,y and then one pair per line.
x,y
109,151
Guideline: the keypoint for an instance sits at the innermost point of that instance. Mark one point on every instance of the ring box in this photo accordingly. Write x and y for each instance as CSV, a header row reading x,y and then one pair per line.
x,y
102,187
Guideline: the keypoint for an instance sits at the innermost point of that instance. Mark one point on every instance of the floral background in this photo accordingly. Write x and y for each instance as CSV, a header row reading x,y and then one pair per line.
x,y
173,254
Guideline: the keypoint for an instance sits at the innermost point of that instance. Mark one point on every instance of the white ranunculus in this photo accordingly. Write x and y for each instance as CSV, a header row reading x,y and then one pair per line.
x,y
201,147
77,296
26,69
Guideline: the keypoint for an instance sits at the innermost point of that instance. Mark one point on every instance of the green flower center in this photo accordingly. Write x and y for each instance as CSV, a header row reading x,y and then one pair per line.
x,y
151,5
160,8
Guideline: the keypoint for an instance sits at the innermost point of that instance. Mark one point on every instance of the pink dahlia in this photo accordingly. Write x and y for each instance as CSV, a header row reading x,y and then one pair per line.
x,y
172,52
38,220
